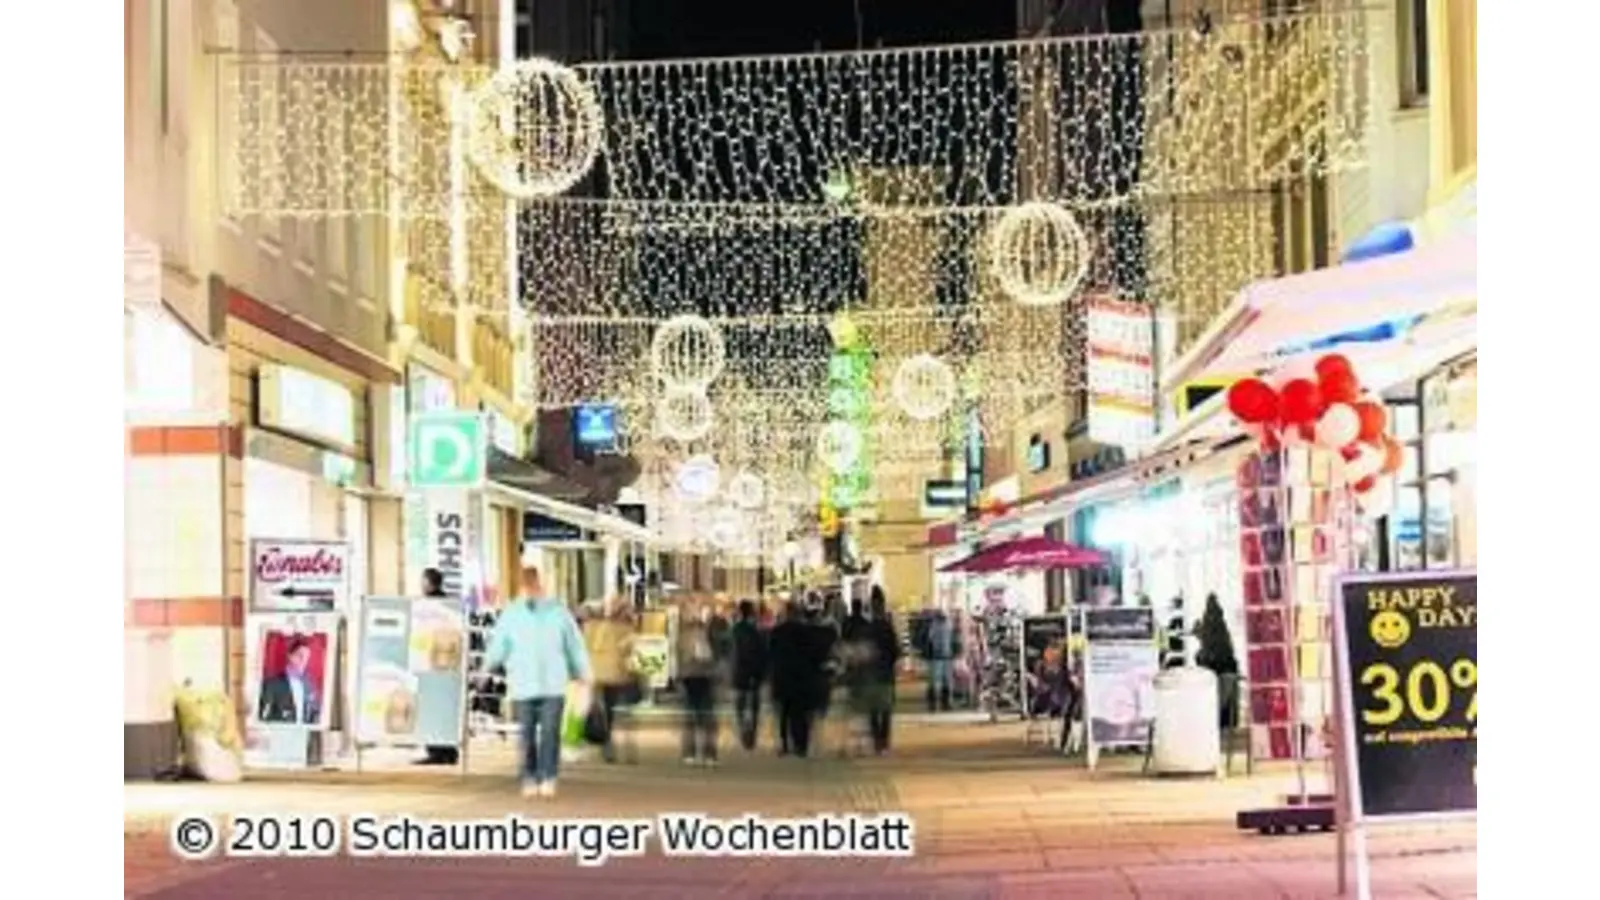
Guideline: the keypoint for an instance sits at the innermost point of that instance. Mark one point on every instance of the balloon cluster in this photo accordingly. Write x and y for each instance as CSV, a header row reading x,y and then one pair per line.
x,y
1326,406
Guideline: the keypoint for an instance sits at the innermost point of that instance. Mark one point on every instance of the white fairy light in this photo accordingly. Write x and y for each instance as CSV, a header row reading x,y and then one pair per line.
x,y
839,445
924,387
747,491
684,414
535,129
687,352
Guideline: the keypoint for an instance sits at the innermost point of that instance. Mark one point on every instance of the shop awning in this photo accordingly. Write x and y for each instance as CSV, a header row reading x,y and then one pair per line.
x,y
581,516
1100,488
1403,314
522,475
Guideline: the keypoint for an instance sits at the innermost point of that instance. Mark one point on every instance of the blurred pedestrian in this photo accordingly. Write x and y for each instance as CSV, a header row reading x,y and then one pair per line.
x,y
438,754
749,671
939,653
884,653
698,669
789,665
537,641
610,642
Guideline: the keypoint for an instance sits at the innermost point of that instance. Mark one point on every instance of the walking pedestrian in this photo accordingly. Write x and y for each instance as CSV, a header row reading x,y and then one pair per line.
x,y
884,646
537,641
939,652
749,671
791,681
822,662
697,672
610,643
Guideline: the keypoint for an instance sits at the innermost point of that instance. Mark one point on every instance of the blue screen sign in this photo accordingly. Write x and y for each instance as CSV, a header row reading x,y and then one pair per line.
x,y
596,425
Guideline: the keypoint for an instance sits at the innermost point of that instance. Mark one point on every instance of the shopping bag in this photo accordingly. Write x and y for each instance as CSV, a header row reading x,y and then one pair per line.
x,y
596,727
574,716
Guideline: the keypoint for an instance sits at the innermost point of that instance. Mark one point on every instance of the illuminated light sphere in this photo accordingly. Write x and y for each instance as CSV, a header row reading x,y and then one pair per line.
x,y
726,529
534,129
1039,253
746,490
684,414
687,352
839,446
697,478
924,387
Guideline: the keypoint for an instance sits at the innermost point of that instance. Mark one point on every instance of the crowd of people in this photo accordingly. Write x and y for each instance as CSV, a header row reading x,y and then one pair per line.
x,y
799,659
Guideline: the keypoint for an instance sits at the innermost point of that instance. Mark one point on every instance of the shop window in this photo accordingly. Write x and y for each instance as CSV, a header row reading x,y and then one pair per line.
x,y
1440,526
1405,421
1410,464
1405,530
1411,20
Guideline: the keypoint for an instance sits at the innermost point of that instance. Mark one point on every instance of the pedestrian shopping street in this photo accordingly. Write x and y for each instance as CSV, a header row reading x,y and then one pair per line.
x,y
993,819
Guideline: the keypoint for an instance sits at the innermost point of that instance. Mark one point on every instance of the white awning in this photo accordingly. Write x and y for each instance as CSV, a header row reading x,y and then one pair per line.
x,y
571,513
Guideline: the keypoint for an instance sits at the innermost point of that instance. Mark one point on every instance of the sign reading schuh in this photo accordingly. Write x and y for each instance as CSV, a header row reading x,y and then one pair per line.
x,y
1408,682
299,575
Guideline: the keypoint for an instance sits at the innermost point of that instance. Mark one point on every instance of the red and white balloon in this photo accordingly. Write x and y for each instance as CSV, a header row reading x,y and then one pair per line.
x,y
1323,403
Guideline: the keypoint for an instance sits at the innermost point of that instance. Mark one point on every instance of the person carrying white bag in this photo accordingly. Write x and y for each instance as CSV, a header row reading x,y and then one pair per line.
x,y
538,642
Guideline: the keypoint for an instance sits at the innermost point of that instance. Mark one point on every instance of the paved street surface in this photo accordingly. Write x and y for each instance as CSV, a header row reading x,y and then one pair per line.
x,y
993,819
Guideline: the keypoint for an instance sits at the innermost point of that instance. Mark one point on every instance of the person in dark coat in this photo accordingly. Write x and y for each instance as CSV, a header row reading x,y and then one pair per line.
x,y
749,671
883,653
787,658
822,663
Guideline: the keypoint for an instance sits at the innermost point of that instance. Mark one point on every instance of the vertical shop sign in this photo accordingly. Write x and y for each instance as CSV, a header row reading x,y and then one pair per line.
x,y
1121,373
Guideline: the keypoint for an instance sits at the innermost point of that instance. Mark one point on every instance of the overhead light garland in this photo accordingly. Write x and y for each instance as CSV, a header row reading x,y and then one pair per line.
x,y
305,137
534,129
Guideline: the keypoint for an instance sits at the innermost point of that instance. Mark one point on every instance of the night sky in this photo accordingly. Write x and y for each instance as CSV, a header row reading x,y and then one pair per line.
x,y
664,29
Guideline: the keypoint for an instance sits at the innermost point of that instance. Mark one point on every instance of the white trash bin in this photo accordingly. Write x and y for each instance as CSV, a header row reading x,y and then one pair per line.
x,y
1187,738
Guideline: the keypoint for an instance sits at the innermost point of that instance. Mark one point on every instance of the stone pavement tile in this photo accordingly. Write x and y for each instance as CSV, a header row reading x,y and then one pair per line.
x,y
1084,857
1199,882
1102,884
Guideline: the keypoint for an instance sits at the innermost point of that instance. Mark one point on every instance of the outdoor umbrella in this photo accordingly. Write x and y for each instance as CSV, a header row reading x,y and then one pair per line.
x,y
1038,552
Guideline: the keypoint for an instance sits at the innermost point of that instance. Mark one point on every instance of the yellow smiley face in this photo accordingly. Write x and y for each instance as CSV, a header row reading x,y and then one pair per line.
x,y
1390,629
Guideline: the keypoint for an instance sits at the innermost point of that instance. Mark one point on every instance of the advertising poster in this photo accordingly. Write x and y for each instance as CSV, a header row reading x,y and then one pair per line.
x,y
1409,680
299,575
290,680
1121,662
1044,660
411,675
650,655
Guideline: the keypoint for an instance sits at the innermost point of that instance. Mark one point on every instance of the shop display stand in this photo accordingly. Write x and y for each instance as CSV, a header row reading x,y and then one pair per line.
x,y
486,691
1294,528
1002,680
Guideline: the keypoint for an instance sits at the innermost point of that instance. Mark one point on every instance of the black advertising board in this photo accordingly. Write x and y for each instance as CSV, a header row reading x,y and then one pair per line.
x,y
1408,645
1119,623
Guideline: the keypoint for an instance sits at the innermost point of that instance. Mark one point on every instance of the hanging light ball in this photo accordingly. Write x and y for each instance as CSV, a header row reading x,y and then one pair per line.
x,y
924,387
746,490
839,446
727,527
687,351
684,414
534,129
697,478
1039,253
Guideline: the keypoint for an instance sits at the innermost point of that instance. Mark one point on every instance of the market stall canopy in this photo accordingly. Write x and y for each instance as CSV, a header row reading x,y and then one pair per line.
x,y
1397,314
1037,552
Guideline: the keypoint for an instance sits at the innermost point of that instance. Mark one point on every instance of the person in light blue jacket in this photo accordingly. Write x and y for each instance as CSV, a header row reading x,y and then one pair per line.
x,y
538,642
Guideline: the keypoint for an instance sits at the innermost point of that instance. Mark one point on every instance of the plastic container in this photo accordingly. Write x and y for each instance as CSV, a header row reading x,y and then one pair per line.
x,y
1188,740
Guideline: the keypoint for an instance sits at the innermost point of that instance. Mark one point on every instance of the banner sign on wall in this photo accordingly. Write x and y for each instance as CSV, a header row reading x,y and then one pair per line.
x,y
1121,661
1120,378
299,575
1409,684
411,671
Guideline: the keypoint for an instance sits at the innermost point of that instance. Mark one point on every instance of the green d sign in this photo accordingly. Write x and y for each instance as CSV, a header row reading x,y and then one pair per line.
x,y
448,449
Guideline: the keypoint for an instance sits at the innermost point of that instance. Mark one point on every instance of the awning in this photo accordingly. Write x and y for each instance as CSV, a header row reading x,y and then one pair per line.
x,y
581,516
522,475
1103,487
1394,316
